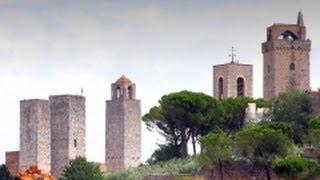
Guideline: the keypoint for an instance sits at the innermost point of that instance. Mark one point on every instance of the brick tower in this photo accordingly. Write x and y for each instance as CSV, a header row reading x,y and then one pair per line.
x,y
232,79
67,130
34,134
123,126
286,59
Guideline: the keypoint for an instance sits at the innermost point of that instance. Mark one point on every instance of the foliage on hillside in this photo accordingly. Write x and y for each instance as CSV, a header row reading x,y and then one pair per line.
x,y
80,169
219,126
294,108
174,166
294,167
217,148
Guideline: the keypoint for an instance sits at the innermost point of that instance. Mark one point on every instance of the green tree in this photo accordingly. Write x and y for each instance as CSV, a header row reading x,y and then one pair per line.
x,y
262,103
165,152
285,128
295,108
4,173
235,113
296,168
312,137
262,145
216,149
314,123
184,115
80,169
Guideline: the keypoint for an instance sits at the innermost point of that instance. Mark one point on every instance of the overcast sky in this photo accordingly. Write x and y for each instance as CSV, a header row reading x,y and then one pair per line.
x,y
58,47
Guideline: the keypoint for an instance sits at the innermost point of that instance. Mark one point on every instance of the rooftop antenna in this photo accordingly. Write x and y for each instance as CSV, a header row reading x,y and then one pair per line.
x,y
232,54
81,91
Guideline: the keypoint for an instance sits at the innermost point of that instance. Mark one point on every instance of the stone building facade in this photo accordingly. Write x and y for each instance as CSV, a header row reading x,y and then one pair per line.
x,y
67,130
123,126
286,63
34,134
12,162
232,79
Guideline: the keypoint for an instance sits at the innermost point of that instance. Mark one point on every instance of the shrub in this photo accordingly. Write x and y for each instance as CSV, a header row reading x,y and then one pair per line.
x,y
80,169
294,167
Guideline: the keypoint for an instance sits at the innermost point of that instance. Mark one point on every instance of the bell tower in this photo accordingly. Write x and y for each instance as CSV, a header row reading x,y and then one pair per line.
x,y
123,126
286,64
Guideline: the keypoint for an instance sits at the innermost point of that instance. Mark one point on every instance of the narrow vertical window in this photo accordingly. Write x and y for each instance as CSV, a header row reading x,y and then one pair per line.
x,y
130,93
292,67
240,86
220,86
118,92
75,143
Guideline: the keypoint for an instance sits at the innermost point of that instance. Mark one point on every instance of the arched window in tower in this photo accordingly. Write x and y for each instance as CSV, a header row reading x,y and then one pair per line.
x,y
292,67
118,92
220,86
240,86
130,93
288,36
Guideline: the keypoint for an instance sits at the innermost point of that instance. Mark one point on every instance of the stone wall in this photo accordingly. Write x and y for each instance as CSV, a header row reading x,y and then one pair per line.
x,y
67,130
123,126
278,56
12,162
34,134
123,134
132,133
230,72
114,135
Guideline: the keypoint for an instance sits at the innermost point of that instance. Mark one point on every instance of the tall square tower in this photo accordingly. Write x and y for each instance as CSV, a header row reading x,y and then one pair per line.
x,y
286,63
67,130
34,134
232,79
123,126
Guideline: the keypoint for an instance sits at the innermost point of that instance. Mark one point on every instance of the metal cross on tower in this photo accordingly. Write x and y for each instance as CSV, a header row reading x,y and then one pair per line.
x,y
232,54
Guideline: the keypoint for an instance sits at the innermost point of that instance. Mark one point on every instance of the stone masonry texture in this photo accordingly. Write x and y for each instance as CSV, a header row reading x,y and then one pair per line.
x,y
286,59
123,127
67,130
34,134
230,72
12,162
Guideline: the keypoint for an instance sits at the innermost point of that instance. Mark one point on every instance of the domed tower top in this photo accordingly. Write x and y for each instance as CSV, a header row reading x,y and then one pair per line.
x,y
123,88
123,80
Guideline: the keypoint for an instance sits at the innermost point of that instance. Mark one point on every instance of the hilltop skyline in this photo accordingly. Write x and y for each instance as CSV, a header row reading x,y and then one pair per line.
x,y
51,48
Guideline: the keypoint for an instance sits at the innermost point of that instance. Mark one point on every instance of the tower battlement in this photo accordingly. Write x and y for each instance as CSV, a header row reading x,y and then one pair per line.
x,y
286,64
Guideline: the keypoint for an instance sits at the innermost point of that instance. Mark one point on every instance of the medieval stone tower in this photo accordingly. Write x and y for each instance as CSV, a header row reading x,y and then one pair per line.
x,y
67,130
123,126
286,59
34,134
232,79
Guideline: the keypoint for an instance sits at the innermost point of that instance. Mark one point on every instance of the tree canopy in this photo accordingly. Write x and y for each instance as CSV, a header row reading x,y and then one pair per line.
x,y
294,167
165,152
80,169
183,115
4,173
235,113
216,149
295,108
262,145
312,137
